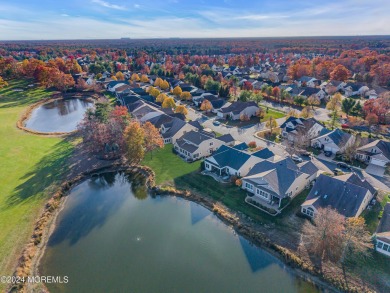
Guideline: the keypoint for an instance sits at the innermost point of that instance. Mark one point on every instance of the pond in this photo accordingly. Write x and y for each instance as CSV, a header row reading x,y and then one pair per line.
x,y
58,116
112,236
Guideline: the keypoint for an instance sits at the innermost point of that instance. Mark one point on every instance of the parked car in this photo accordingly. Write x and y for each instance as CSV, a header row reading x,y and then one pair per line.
x,y
344,165
306,154
216,123
296,158
337,171
328,154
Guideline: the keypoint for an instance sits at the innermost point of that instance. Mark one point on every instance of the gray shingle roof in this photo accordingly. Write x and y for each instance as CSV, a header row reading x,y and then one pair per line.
x,y
343,193
231,157
237,107
279,176
175,125
196,137
227,138
264,154
383,229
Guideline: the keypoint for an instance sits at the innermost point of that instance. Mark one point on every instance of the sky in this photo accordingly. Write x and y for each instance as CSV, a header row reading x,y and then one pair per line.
x,y
112,19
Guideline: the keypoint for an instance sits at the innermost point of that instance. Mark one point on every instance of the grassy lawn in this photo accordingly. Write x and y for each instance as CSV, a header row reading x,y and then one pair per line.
x,y
172,170
373,215
271,113
230,195
168,166
29,164
274,136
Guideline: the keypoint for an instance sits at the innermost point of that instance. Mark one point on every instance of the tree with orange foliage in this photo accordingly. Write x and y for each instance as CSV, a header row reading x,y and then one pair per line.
x,y
158,82
152,138
177,91
164,85
206,106
153,92
186,96
144,78
340,73
134,137
182,110
119,76
3,83
168,103
161,98
135,77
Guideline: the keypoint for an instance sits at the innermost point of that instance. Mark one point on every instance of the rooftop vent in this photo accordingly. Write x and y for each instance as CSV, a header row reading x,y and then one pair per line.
x,y
325,196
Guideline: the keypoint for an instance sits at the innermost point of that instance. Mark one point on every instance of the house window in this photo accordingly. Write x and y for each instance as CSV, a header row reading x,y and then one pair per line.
x,y
248,186
385,247
207,166
308,211
379,245
211,143
262,193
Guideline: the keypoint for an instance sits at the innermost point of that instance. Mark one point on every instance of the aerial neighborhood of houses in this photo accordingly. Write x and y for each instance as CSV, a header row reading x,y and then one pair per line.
x,y
271,173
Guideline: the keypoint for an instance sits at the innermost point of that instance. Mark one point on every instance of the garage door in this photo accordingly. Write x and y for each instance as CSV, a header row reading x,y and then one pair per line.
x,y
378,162
329,149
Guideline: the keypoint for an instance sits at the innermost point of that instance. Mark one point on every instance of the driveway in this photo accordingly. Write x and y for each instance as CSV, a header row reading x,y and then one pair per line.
x,y
247,135
375,170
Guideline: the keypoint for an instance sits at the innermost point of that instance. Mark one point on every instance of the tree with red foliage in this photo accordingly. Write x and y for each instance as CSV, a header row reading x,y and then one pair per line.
x,y
340,73
381,73
276,92
380,107
247,86
372,119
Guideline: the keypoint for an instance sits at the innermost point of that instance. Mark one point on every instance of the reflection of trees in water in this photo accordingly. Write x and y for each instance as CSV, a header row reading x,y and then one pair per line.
x,y
138,185
93,207
104,181
65,107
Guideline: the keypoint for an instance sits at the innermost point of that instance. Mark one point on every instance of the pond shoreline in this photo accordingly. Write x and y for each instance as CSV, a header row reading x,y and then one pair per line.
x,y
55,97
34,250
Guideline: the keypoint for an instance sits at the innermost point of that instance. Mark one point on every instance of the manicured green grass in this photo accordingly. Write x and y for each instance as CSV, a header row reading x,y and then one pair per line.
x,y
373,215
167,165
271,113
29,164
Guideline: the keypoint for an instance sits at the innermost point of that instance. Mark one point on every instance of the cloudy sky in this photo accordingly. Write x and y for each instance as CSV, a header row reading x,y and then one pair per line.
x,y
91,19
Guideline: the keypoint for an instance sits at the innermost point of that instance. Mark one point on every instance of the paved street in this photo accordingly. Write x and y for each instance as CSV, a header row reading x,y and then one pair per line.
x,y
240,134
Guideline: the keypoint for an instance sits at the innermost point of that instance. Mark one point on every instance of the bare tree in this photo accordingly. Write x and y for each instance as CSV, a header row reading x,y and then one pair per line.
x,y
324,237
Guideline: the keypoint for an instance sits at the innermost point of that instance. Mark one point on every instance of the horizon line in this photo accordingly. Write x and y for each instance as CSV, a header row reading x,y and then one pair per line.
x,y
196,38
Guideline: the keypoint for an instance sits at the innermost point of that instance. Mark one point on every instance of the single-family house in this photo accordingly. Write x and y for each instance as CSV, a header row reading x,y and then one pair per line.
x,y
174,129
194,145
376,152
333,141
300,129
313,168
235,110
308,81
348,194
310,91
234,161
382,235
268,183
355,89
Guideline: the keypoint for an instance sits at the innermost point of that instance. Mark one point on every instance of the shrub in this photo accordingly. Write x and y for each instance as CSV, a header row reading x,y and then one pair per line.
x,y
238,182
252,144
